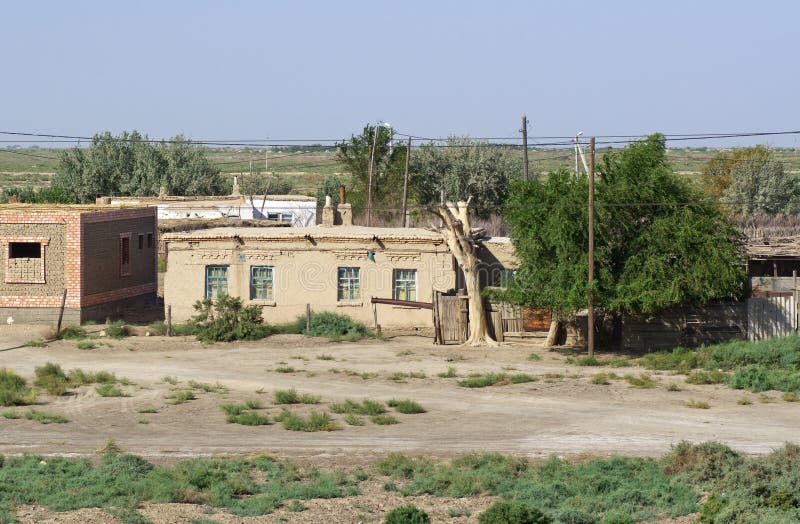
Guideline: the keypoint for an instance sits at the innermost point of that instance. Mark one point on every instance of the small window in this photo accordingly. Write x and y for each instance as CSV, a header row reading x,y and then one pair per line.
x,y
24,250
149,240
216,281
405,284
262,283
141,241
125,254
503,277
349,284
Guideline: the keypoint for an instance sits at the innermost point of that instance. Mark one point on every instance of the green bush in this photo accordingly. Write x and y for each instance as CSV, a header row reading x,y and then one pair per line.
x,y
481,381
314,422
117,329
72,332
407,515
109,390
227,319
333,326
291,396
14,391
757,377
707,377
512,512
407,407
51,378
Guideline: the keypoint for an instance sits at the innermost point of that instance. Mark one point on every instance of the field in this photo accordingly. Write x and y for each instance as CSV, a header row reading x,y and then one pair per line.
x,y
307,168
176,399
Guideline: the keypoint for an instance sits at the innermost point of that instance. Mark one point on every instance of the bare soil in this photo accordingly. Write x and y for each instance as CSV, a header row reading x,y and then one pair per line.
x,y
561,413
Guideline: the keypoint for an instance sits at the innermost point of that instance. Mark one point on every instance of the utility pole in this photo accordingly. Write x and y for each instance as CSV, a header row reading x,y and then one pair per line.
x,y
590,312
266,156
525,148
405,181
369,175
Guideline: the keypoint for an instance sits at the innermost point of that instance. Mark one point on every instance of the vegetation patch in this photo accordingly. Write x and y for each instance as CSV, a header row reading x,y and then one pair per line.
x,y
409,514
285,369
643,381
117,329
314,422
366,407
227,319
38,343
86,344
291,396
478,380
707,377
401,376
181,396
601,379
450,373
72,332
110,390
35,415
407,407
514,512
208,388
594,361
384,420
697,404
14,390
333,327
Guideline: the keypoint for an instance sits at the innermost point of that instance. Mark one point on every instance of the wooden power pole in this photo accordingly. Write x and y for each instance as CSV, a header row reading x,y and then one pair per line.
x,y
405,181
590,312
525,147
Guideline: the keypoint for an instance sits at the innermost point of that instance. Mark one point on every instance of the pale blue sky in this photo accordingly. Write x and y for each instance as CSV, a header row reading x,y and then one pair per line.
x,y
317,70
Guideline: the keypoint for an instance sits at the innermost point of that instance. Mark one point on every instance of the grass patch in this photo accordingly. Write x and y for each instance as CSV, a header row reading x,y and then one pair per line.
x,y
789,396
157,328
168,379
594,361
248,418
402,376
600,379
384,420
36,343
324,356
181,396
697,404
117,329
14,390
533,357
673,386
744,401
765,399
284,369
706,377
110,390
643,381
364,375
86,344
147,410
314,422
366,407
450,373
406,407
352,419
208,388
72,332
333,327
477,380
291,396
37,416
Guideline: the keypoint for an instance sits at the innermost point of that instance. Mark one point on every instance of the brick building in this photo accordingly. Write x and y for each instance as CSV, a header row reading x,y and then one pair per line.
x,y
104,257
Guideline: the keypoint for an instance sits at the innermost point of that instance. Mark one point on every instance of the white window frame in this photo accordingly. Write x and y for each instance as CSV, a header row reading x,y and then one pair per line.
x,y
406,281
346,284
270,288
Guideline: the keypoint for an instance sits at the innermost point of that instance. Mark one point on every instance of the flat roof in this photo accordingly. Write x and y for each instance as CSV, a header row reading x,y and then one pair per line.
x,y
212,199
66,208
315,232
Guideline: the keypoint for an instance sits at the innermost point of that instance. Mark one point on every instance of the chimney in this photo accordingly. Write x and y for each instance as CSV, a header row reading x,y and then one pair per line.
x,y
328,218
344,211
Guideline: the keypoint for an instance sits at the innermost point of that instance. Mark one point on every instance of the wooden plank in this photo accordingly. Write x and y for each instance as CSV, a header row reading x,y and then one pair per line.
x,y
409,303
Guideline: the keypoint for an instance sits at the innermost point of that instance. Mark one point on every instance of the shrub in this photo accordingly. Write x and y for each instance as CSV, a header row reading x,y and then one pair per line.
x,y
701,462
534,357
179,397
482,381
601,379
158,328
643,381
117,329
384,420
51,378
407,407
707,377
248,418
86,344
697,404
353,420
285,369
14,391
227,319
367,407
450,373
789,396
334,327
521,378
290,396
512,512
757,377
109,390
72,332
407,515
315,422
36,343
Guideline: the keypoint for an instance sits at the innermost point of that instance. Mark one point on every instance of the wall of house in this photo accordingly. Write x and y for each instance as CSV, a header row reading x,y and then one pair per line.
x,y
307,274
53,254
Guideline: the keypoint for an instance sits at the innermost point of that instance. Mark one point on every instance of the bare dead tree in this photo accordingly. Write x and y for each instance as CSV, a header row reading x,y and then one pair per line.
x,y
457,234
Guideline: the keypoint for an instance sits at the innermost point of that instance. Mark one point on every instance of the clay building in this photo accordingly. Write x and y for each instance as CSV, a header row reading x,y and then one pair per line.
x,y
104,258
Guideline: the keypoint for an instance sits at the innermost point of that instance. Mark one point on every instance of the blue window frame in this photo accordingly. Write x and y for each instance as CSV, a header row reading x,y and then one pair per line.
x,y
349,284
216,281
262,279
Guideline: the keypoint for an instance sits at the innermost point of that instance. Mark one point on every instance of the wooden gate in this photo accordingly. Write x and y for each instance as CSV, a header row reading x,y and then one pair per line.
x,y
450,318
769,317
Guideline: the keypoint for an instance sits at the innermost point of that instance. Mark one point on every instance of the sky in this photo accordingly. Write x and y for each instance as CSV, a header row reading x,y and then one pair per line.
x,y
315,70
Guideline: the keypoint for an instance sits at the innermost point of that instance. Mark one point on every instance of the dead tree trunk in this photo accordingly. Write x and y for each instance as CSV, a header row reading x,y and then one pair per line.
x,y
457,235
552,335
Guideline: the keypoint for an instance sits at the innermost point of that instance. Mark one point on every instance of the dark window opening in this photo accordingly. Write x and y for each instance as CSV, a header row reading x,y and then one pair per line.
x,y
24,250
149,239
141,241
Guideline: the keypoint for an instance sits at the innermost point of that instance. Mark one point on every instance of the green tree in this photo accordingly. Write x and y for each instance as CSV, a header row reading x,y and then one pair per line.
x,y
330,187
758,184
387,170
464,168
132,165
659,242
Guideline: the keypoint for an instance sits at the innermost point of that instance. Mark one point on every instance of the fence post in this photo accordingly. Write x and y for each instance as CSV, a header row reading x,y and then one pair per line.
x,y
61,313
308,318
169,320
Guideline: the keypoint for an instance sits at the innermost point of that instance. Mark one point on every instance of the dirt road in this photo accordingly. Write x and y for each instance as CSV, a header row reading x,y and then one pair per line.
x,y
562,412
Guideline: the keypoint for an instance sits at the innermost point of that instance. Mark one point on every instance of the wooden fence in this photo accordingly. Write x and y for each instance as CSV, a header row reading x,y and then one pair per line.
x,y
769,317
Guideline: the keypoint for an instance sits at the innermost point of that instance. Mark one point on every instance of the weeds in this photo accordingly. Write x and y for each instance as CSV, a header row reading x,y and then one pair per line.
x,y
367,407
181,396
110,390
324,356
14,390
744,401
706,377
208,388
147,410
314,422
248,418
643,381
406,407
51,378
450,373
86,344
533,357
353,420
673,386
402,376
38,416
284,369
168,379
476,380
72,332
117,329
290,396
789,396
384,420
697,404
600,379
39,343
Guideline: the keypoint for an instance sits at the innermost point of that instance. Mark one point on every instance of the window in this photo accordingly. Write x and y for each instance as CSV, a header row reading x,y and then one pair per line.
x,y
141,241
349,283
124,254
261,283
503,277
216,281
286,218
405,284
149,239
24,260
24,250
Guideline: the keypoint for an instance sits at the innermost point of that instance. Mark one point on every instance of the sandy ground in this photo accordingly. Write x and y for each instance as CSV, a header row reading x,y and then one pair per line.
x,y
561,413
